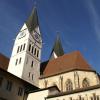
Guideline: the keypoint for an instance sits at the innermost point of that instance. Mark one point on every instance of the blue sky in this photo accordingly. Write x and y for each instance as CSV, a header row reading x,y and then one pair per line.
x,y
77,21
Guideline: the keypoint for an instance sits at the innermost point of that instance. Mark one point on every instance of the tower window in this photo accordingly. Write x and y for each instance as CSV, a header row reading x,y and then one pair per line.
x,y
16,61
24,46
32,76
35,51
32,49
29,47
32,64
29,74
18,49
20,91
20,60
26,60
9,85
21,48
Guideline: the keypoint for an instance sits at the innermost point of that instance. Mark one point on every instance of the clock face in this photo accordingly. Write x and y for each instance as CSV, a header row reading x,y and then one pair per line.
x,y
21,35
37,36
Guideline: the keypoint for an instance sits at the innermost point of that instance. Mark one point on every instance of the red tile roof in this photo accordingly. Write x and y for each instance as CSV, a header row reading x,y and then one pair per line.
x,y
4,61
65,63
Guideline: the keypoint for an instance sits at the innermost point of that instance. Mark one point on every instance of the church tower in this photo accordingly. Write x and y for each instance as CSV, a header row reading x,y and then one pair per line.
x,y
26,54
57,49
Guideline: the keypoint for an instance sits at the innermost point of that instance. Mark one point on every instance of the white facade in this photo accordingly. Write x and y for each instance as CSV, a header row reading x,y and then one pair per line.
x,y
26,54
42,93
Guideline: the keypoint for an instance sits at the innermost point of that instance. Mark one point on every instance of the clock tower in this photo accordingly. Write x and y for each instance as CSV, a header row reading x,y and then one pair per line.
x,y
26,55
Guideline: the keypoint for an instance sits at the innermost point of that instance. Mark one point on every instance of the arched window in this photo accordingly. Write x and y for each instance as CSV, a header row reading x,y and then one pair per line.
x,y
85,82
69,85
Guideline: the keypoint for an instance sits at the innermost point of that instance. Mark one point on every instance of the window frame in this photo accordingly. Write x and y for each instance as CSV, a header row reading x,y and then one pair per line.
x,y
85,83
9,85
69,85
20,91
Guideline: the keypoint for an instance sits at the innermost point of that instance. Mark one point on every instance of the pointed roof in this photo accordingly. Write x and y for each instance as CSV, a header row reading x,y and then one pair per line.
x,y
32,21
57,48
67,62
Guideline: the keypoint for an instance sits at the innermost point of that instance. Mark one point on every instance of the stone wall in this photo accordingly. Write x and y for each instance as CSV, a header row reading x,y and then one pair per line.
x,y
76,78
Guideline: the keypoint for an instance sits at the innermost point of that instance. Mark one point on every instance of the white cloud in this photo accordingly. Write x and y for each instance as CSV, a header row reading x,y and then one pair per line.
x,y
94,17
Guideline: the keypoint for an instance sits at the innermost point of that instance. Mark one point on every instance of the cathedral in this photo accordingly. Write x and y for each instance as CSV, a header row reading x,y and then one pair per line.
x,y
61,77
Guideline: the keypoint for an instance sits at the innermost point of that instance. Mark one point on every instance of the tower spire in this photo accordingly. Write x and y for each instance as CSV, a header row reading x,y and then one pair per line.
x,y
32,22
57,48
